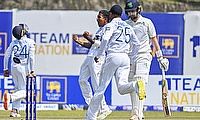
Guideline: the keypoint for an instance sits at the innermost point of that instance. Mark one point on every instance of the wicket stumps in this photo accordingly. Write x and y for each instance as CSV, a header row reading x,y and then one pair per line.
x,y
31,97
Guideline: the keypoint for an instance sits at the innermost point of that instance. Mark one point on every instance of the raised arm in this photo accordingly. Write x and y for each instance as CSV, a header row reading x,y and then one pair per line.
x,y
86,45
86,35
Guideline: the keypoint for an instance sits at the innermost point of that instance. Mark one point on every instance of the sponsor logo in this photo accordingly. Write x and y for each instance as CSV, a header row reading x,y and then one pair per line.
x,y
53,85
53,89
169,45
196,46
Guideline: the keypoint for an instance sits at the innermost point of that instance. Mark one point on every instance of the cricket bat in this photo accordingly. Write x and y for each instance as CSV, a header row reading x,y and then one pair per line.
x,y
165,99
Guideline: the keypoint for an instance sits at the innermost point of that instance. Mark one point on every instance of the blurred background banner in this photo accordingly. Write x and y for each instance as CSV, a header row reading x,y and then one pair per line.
x,y
170,34
192,43
5,34
52,31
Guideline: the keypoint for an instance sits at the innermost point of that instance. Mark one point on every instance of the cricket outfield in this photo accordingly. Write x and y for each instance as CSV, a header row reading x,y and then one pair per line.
x,y
115,115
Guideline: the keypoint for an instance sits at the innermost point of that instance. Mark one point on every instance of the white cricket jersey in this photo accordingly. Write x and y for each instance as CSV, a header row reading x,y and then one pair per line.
x,y
23,49
117,38
94,48
145,30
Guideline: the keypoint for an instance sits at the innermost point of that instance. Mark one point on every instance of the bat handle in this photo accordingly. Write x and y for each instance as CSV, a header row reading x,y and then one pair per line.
x,y
163,73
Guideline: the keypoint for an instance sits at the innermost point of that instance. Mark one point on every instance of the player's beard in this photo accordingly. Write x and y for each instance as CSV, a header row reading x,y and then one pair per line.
x,y
133,15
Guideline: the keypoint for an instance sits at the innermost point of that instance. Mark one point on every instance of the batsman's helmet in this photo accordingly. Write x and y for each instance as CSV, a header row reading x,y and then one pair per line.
x,y
20,30
132,5
25,29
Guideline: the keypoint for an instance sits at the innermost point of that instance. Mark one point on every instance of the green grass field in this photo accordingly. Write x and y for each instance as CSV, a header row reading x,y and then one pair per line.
x,y
115,115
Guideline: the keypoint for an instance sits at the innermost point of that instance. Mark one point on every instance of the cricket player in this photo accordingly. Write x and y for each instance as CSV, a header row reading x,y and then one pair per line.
x,y
89,67
116,43
140,67
22,50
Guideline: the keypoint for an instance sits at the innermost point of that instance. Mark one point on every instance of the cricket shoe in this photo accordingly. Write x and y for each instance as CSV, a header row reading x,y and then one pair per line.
x,y
142,115
141,89
13,113
104,114
6,100
135,115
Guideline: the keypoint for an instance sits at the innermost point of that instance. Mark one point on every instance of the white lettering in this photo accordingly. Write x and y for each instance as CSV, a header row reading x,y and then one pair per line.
x,y
8,83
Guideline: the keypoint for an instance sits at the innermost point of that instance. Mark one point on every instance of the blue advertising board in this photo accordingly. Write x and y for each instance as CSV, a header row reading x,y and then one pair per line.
x,y
75,95
5,34
170,33
63,90
53,89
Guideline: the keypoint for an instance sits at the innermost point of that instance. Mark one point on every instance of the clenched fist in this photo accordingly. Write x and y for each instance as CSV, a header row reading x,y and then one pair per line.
x,y
86,34
75,37
6,73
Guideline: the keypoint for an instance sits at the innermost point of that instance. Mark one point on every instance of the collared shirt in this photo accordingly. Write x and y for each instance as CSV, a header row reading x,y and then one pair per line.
x,y
145,30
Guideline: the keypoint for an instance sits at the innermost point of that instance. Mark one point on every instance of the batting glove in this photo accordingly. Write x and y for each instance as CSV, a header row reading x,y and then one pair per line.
x,y
164,63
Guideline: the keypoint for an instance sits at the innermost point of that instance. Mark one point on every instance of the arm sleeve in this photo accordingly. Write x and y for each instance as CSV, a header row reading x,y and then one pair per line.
x,y
97,43
102,47
135,47
7,56
152,30
32,55
105,38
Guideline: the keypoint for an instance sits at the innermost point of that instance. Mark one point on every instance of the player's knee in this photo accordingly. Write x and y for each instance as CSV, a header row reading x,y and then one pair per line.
x,y
24,93
130,76
121,90
82,81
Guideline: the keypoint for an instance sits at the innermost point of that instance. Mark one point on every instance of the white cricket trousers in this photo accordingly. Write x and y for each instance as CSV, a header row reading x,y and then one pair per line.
x,y
118,65
19,78
90,68
139,68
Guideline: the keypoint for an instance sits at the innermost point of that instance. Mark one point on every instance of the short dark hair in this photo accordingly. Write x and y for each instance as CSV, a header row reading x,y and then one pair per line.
x,y
116,9
105,14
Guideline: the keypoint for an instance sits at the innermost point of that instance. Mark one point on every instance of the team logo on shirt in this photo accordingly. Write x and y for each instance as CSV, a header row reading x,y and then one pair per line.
x,y
107,28
3,43
170,45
